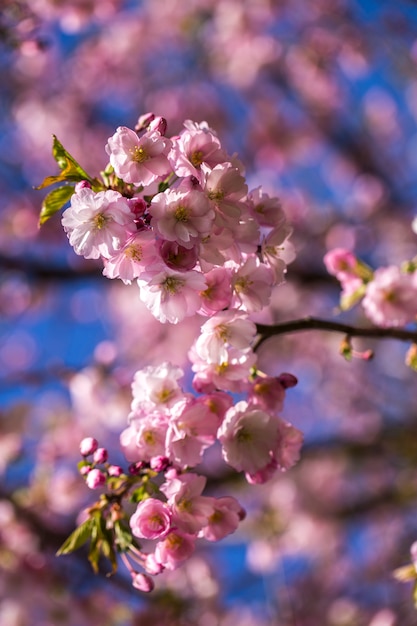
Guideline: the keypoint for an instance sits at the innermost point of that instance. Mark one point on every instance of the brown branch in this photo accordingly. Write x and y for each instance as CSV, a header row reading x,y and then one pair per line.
x,y
313,323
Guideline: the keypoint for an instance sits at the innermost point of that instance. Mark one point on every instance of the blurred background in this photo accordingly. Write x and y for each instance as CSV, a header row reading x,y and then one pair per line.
x,y
319,100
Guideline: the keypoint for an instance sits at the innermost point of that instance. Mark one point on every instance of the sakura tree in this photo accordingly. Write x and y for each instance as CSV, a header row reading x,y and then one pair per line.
x,y
181,363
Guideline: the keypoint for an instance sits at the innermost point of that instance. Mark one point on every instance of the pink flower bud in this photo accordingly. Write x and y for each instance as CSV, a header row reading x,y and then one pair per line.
x,y
152,566
88,446
138,206
287,380
115,470
159,463
144,121
100,455
159,124
95,479
83,184
143,582
85,470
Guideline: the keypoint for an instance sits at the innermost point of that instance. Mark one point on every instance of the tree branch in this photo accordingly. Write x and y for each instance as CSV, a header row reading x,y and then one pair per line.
x,y
313,323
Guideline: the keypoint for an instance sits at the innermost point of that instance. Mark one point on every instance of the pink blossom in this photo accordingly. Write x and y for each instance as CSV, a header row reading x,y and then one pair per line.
x,y
227,376
151,435
277,251
181,216
341,263
218,293
171,296
248,436
190,510
191,430
151,520
133,258
222,330
290,441
177,257
175,548
268,393
391,297
267,211
225,187
156,387
97,224
128,444
139,161
195,146
224,520
252,284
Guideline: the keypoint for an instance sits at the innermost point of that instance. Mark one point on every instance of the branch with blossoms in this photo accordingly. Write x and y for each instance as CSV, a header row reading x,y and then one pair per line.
x,y
175,216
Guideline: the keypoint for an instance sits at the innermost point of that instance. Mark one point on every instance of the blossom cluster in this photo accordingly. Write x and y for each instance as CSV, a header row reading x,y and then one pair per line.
x,y
178,219
388,295
175,216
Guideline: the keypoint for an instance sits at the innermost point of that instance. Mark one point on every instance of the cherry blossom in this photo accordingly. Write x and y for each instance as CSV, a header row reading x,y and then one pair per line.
x,y
139,161
97,223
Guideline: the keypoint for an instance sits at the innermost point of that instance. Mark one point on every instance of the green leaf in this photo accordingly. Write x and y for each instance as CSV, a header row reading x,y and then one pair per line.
x,y
71,170
123,536
66,162
78,538
54,201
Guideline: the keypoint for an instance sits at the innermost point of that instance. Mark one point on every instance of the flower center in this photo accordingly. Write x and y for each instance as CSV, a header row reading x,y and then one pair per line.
x,y
197,158
181,213
216,195
135,253
172,285
100,221
243,436
242,284
223,332
138,154
149,437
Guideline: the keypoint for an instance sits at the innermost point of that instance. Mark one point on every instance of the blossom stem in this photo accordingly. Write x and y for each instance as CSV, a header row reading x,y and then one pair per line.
x,y
313,323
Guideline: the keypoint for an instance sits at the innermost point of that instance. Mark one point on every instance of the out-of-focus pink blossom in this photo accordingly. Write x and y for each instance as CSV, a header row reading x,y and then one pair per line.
x,y
224,520
175,548
391,297
249,437
151,520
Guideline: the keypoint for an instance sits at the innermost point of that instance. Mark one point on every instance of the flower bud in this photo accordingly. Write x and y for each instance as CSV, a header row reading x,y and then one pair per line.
x,y
100,455
88,446
159,463
83,184
144,121
143,582
159,124
287,380
115,470
95,479
84,470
